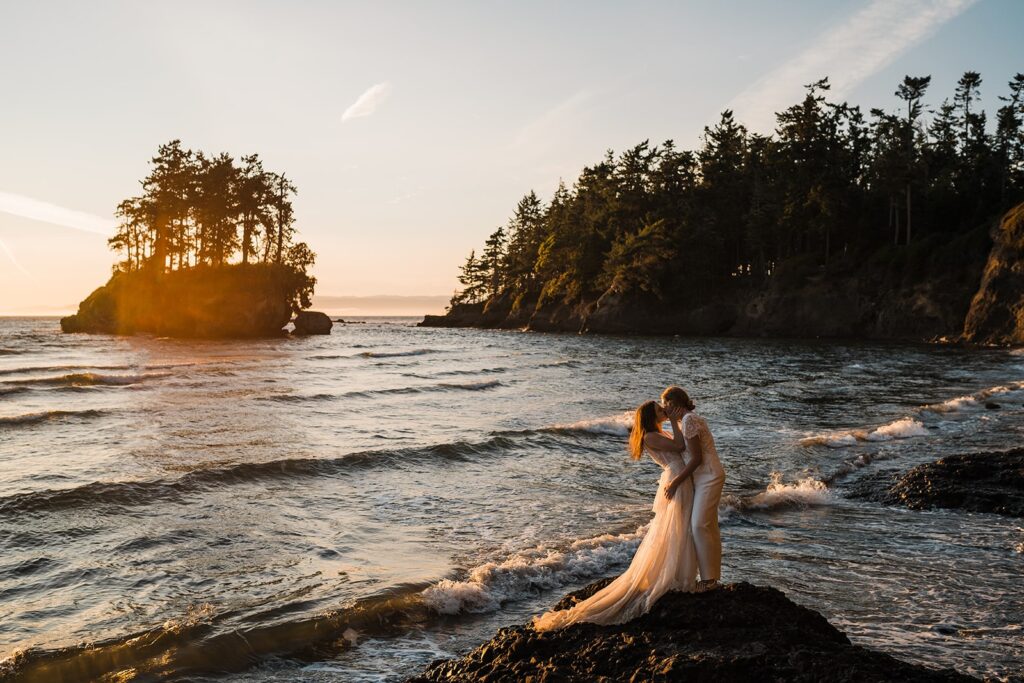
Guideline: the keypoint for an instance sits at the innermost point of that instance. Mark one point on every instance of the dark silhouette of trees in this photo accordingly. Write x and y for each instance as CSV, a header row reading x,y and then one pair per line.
x,y
197,209
829,189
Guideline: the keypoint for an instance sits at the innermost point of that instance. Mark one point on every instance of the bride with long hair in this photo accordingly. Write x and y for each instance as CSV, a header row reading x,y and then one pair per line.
x,y
666,559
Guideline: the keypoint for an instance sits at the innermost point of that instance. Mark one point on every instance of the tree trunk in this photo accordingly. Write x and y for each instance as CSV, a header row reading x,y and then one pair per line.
x,y
908,213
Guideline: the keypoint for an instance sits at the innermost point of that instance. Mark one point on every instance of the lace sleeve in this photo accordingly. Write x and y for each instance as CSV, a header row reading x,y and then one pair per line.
x,y
691,426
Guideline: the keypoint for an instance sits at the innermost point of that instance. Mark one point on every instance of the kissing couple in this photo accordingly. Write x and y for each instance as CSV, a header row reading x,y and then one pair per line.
x,y
683,536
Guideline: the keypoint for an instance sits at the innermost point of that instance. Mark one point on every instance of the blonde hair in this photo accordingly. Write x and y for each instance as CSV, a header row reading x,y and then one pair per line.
x,y
645,420
677,396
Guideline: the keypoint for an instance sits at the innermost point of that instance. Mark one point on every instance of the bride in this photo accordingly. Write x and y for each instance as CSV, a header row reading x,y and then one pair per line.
x,y
666,559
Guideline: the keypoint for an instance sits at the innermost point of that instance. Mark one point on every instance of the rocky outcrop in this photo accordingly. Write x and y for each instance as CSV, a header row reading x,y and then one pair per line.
x,y
230,301
917,293
976,482
738,633
996,315
312,322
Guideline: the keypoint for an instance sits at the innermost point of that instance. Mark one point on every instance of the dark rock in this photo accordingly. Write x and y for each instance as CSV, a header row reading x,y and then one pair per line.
x,y
740,632
977,482
996,315
992,405
339,320
312,322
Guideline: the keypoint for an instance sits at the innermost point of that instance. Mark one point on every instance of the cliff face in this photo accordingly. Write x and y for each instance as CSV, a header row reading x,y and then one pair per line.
x,y
236,301
920,293
996,314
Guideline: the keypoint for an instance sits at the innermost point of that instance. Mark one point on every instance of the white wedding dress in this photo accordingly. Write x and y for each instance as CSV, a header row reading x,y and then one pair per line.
x,y
664,561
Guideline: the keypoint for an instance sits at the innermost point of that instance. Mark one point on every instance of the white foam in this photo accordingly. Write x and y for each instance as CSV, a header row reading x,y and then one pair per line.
x,y
904,428
805,492
953,405
490,585
615,425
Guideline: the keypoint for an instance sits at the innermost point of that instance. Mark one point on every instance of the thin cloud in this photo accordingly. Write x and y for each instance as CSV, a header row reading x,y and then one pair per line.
x,y
849,53
553,121
37,210
10,255
368,101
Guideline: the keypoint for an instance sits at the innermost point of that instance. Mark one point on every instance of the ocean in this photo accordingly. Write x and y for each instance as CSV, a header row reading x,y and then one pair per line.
x,y
353,506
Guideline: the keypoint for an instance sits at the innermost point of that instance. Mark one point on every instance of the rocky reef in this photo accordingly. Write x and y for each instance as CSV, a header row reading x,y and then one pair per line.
x,y
740,632
976,482
255,300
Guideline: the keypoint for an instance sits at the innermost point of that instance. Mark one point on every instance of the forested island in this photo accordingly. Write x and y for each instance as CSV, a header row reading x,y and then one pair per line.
x,y
840,224
208,250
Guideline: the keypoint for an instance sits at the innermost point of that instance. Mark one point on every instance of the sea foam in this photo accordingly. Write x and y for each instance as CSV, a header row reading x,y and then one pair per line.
x,y
492,584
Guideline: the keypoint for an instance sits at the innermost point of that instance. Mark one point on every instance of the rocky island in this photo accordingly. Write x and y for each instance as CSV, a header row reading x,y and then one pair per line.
x,y
209,251
838,225
740,633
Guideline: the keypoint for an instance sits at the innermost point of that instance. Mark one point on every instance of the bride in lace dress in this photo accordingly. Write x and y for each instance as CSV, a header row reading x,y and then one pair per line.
x,y
666,559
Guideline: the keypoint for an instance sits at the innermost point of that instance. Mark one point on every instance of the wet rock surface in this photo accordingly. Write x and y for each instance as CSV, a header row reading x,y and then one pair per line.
x,y
976,482
312,322
740,632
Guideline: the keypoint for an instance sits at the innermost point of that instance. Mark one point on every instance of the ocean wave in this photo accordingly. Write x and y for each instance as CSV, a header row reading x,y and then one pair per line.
x,y
397,354
298,398
904,428
137,493
10,391
457,373
567,363
444,386
911,426
805,492
613,425
46,416
972,401
87,379
488,586
61,368
203,641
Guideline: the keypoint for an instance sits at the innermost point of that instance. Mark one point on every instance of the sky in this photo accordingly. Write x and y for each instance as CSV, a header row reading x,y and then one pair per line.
x,y
411,129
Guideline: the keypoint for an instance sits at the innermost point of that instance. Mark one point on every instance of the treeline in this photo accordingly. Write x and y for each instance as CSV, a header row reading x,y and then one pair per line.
x,y
831,184
197,209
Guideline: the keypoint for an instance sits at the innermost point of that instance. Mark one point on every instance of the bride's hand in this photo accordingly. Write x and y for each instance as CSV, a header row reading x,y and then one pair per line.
x,y
670,490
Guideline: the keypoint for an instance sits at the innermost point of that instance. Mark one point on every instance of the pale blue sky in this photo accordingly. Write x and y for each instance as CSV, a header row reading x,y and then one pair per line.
x,y
482,101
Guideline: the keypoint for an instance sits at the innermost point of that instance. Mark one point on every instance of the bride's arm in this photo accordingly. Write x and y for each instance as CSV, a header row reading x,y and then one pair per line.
x,y
678,440
696,458
660,442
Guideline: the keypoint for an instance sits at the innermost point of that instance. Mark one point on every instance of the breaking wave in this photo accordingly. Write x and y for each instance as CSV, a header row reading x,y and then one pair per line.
x,y
614,425
47,416
805,492
87,379
445,386
488,586
135,493
912,425
904,428
397,354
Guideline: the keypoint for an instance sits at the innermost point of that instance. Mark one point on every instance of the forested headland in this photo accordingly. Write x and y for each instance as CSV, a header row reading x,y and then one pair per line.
x,y
208,249
841,223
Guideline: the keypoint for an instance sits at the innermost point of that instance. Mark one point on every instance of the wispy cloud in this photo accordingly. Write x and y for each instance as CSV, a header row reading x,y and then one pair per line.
x,y
37,210
868,41
10,255
553,121
368,101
